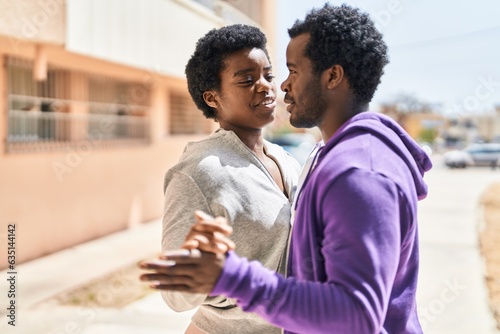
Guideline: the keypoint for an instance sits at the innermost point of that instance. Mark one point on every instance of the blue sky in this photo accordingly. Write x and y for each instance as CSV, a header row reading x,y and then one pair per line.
x,y
442,52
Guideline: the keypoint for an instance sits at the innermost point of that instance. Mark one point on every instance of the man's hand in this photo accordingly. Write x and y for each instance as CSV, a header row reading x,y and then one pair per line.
x,y
209,234
184,270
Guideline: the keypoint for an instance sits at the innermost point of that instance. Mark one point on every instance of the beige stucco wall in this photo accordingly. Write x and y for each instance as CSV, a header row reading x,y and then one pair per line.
x,y
100,191
34,20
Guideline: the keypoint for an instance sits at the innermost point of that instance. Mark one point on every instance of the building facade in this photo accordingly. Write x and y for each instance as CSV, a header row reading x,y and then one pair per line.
x,y
95,109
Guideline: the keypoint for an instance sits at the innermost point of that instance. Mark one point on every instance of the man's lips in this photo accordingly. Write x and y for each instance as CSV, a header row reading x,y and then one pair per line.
x,y
288,99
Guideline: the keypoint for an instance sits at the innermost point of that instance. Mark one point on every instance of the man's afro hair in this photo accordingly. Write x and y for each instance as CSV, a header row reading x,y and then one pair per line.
x,y
345,36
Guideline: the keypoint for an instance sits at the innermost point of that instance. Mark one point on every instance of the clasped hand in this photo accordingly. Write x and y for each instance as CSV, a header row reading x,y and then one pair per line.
x,y
197,266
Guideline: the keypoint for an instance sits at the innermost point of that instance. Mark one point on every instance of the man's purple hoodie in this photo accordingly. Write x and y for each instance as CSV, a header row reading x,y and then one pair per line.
x,y
353,259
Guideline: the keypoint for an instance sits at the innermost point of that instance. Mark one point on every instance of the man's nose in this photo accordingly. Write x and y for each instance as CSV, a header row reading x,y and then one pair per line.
x,y
285,87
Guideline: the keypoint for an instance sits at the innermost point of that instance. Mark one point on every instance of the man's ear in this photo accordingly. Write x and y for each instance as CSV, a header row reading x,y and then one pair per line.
x,y
210,98
335,75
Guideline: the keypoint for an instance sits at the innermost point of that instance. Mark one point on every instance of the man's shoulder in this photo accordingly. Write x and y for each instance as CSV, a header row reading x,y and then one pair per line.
x,y
352,149
359,151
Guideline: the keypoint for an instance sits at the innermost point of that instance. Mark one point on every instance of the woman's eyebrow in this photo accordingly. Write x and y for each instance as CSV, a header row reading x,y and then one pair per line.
x,y
249,70
243,72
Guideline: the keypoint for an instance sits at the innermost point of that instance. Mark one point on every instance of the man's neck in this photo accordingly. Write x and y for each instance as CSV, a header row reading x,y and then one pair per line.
x,y
337,117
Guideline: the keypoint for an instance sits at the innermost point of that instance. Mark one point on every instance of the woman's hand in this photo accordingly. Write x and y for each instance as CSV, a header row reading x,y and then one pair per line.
x,y
209,234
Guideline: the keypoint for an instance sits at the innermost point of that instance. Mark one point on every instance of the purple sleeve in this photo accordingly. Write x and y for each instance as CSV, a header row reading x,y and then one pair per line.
x,y
361,248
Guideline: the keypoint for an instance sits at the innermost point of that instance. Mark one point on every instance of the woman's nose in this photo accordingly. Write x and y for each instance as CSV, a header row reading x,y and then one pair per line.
x,y
265,86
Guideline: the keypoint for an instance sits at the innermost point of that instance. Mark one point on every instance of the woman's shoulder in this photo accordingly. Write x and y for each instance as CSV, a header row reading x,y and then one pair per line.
x,y
207,152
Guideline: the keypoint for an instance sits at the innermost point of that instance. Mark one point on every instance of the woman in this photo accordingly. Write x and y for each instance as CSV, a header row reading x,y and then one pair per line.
x,y
234,172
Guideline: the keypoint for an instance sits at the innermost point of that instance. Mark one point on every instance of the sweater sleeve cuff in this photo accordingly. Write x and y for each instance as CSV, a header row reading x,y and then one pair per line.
x,y
229,276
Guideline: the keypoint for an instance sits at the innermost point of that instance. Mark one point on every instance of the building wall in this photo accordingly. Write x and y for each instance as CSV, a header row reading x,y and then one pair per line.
x,y
415,124
64,197
156,35
103,190
488,126
60,198
41,20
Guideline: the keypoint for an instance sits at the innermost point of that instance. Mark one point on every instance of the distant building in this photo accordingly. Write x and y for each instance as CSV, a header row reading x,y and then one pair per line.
x,y
422,125
473,128
95,109
489,126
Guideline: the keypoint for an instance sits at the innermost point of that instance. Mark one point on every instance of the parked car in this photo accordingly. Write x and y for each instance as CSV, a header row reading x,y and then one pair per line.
x,y
299,145
487,154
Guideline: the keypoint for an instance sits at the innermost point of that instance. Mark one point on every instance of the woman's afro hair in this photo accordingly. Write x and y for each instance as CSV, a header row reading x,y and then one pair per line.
x,y
207,62
345,36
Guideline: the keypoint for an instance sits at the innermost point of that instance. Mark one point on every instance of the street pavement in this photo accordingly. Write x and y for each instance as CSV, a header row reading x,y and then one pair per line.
x,y
452,294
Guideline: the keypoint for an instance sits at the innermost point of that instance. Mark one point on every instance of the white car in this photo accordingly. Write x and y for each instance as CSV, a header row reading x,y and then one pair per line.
x,y
487,154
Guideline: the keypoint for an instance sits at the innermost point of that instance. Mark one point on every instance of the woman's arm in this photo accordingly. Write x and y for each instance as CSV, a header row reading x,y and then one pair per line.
x,y
182,195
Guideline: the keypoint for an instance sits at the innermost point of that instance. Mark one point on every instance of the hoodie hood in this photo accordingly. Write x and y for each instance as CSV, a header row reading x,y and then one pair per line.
x,y
394,136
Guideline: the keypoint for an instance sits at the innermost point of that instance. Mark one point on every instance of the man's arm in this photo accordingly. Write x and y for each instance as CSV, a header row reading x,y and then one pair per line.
x,y
360,250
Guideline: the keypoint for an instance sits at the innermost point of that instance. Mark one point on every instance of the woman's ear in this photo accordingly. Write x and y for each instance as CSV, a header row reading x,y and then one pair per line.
x,y
210,98
335,75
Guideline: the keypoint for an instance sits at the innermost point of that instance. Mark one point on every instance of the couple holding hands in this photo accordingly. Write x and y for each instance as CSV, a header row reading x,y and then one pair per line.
x,y
331,249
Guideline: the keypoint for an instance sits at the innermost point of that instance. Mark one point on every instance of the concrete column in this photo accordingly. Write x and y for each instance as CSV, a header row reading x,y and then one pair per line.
x,y
40,64
268,15
159,112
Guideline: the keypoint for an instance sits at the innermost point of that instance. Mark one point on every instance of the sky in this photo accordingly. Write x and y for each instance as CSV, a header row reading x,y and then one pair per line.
x,y
445,53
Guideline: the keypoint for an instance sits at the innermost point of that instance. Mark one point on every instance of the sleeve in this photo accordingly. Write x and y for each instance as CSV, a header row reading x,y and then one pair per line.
x,y
182,197
360,250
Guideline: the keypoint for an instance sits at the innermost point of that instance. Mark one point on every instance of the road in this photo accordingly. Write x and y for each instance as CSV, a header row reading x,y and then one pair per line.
x,y
452,295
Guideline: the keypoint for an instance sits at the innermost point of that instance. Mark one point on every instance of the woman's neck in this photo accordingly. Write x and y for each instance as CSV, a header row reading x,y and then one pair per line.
x,y
254,140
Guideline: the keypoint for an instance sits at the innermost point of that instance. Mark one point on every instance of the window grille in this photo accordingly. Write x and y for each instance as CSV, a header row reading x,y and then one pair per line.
x,y
70,107
185,117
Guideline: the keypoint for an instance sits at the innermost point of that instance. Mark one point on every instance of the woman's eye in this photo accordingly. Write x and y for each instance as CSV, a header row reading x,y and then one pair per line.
x,y
247,81
270,77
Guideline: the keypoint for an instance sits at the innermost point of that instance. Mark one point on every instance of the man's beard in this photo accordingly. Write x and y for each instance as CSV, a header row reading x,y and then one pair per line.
x,y
314,108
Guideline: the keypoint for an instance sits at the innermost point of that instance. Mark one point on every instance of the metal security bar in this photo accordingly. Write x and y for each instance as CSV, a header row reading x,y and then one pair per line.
x,y
185,117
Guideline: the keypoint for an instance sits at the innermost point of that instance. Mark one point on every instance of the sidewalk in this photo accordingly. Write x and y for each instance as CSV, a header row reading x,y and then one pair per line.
x,y
46,277
452,294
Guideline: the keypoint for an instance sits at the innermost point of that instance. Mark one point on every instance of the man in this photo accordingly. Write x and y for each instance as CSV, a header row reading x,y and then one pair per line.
x,y
353,254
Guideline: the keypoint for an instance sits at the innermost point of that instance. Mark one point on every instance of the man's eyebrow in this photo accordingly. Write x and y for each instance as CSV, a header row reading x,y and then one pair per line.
x,y
249,70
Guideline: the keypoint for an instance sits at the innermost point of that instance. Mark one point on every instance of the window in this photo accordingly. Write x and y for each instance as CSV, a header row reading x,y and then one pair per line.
x,y
70,107
122,105
32,105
